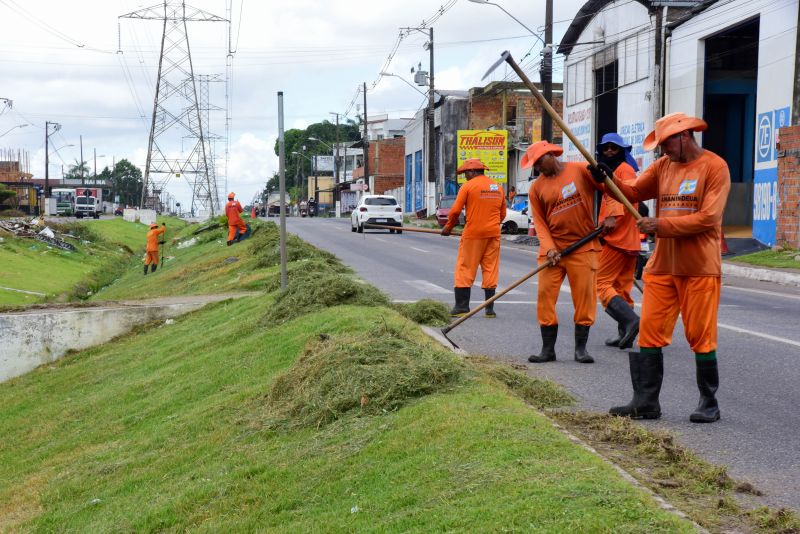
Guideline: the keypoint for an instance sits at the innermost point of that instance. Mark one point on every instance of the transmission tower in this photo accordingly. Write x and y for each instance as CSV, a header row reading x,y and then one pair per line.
x,y
177,112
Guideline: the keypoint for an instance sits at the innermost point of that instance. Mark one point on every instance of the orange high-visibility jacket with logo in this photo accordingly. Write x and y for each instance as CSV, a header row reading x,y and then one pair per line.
x,y
232,211
563,208
152,238
625,235
486,208
690,198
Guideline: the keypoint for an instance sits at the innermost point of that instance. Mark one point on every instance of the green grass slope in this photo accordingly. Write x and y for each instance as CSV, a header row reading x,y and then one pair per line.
x,y
176,427
104,248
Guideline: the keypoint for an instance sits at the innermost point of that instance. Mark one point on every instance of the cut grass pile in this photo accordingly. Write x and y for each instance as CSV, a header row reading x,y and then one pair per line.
x,y
783,259
366,374
426,311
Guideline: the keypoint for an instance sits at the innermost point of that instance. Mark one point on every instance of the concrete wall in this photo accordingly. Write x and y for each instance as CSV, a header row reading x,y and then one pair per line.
x,y
31,339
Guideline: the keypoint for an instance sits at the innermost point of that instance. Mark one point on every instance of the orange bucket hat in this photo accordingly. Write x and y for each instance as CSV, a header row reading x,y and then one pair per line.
x,y
471,164
537,150
231,195
153,226
670,125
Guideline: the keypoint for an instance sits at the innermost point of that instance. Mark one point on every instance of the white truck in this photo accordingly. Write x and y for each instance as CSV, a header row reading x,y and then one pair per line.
x,y
88,202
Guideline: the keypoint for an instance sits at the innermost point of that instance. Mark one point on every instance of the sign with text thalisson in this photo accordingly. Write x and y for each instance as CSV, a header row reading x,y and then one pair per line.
x,y
489,146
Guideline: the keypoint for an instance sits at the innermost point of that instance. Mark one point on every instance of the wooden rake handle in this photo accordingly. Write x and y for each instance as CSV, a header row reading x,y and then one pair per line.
x,y
564,128
407,229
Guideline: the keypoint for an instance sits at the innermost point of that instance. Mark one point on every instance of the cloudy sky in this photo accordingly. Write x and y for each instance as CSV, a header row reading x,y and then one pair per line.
x,y
80,65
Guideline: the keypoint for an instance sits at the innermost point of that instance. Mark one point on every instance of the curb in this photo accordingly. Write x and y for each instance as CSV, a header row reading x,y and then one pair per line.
x,y
764,275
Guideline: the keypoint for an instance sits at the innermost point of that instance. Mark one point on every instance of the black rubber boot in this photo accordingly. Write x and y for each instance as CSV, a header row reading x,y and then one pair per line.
x,y
707,382
548,352
627,319
230,242
489,310
581,337
614,341
145,269
647,372
462,301
153,267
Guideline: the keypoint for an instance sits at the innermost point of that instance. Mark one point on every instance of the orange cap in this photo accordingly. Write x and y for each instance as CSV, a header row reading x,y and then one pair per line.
x,y
231,195
472,164
670,125
537,150
153,225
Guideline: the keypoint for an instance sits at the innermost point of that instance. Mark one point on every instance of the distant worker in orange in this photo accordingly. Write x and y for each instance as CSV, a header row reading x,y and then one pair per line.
x,y
485,204
690,185
151,254
236,226
621,245
562,201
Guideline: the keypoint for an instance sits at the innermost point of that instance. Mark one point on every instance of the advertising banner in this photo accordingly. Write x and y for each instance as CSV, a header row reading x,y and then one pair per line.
x,y
489,146
324,163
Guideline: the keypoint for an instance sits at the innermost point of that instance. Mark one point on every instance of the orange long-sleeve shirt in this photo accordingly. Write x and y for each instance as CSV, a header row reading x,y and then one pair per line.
x,y
485,203
690,198
563,207
152,238
625,235
232,211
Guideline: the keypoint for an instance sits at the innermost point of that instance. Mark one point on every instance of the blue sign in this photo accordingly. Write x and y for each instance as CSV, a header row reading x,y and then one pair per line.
x,y
766,128
418,193
409,183
765,205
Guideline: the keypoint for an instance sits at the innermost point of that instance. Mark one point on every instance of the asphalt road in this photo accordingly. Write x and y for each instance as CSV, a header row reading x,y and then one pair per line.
x,y
758,437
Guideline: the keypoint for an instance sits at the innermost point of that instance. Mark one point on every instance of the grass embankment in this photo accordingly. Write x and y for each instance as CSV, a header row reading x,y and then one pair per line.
x,y
104,248
782,259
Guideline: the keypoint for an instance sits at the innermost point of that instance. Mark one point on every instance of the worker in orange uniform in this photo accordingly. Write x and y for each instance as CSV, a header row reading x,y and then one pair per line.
x,y
562,201
690,185
617,260
236,226
151,254
485,203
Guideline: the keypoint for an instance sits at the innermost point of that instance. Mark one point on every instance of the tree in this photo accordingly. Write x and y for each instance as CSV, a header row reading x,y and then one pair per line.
x,y
78,171
6,193
126,181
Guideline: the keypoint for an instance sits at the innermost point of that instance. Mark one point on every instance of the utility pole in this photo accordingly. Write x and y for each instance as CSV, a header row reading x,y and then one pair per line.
x,y
432,125
546,72
336,169
282,186
82,180
365,143
95,165
56,127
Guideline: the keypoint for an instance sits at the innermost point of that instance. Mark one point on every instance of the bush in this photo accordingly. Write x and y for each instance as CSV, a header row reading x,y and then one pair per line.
x,y
359,375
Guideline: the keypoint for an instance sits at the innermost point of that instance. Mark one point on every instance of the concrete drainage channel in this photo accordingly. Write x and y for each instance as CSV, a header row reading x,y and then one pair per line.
x,y
35,337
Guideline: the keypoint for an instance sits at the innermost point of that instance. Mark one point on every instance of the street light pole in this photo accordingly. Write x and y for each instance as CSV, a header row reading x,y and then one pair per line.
x,y
365,143
56,127
432,126
546,72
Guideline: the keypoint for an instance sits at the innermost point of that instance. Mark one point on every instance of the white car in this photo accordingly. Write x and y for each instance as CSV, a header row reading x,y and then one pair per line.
x,y
514,222
377,209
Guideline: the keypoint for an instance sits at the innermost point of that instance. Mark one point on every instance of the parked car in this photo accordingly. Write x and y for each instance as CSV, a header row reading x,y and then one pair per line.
x,y
443,211
377,209
515,221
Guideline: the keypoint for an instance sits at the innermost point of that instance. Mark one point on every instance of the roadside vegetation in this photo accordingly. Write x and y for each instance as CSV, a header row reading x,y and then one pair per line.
x,y
784,258
292,412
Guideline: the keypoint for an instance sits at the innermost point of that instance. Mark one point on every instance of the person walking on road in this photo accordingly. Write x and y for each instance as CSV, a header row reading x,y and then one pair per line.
x,y
151,252
617,260
690,185
485,204
562,201
236,226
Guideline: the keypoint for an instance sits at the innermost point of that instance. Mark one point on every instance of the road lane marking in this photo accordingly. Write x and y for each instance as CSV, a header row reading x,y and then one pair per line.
x,y
759,334
430,287
419,249
763,292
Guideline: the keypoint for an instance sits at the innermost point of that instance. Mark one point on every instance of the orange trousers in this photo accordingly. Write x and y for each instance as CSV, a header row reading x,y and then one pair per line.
x,y
474,252
232,229
615,272
696,298
151,257
581,271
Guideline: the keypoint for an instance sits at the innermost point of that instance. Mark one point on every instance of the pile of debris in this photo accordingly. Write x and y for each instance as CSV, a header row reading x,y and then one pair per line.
x,y
35,229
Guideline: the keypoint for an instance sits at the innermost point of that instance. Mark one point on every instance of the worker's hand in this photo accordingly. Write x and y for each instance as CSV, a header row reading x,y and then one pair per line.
x,y
601,172
608,225
446,231
553,256
647,225
163,224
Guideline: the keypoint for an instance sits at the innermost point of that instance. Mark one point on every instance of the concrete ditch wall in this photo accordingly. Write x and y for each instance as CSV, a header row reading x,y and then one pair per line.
x,y
33,338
